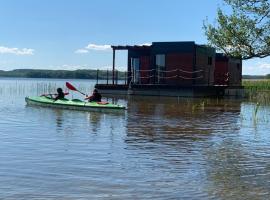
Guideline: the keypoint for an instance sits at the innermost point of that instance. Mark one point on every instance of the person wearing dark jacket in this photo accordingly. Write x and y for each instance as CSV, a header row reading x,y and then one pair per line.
x,y
95,97
60,94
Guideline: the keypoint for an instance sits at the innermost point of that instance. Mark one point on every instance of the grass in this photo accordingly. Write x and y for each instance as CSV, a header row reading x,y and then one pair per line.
x,y
258,90
257,84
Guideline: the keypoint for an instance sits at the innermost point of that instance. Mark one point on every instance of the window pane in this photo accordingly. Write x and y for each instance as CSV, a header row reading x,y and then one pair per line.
x,y
160,60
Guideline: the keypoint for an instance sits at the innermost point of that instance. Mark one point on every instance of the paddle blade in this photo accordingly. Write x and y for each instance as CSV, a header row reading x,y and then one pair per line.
x,y
71,87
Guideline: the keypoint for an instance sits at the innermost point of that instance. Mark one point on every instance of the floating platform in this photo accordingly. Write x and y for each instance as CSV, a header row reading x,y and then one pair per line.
x,y
172,90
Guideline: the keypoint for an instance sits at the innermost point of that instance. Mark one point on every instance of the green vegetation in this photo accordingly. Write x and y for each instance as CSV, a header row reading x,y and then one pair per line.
x,y
257,85
258,90
76,74
243,32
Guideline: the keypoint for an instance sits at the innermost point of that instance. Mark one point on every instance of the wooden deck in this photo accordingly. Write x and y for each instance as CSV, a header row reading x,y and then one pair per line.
x,y
171,90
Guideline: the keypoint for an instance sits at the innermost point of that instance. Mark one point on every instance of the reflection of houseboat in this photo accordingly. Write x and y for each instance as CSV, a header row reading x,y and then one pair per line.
x,y
176,69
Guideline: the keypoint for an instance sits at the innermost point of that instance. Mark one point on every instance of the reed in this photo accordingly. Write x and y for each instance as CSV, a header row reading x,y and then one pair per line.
x,y
257,84
255,112
258,90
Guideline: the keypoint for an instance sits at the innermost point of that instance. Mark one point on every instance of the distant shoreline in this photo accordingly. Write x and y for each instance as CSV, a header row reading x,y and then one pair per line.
x,y
60,74
79,74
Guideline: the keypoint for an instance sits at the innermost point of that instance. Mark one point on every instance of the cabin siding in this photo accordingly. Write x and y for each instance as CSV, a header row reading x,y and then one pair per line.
x,y
183,62
205,65
235,72
228,70
145,72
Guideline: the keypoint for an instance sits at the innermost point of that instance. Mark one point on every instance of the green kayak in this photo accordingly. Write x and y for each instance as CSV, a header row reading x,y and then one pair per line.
x,y
74,104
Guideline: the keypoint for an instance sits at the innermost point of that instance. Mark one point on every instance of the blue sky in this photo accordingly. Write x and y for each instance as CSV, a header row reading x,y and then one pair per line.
x,y
75,34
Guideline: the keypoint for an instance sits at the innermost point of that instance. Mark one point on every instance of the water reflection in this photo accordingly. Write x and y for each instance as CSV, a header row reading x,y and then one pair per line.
x,y
171,118
94,119
59,119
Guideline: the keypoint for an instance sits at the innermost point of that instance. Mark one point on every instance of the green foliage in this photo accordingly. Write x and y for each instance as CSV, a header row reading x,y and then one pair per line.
x,y
245,32
77,74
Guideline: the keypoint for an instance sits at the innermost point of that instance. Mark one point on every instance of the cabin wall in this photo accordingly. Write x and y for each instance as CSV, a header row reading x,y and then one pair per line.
x,y
228,71
144,62
145,74
235,71
221,72
184,63
205,66
179,57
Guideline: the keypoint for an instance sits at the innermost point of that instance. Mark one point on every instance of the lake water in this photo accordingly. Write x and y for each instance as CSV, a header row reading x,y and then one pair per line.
x,y
160,148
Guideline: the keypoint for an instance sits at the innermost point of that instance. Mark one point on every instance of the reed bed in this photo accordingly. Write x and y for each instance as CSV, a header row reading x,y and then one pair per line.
x,y
258,90
257,84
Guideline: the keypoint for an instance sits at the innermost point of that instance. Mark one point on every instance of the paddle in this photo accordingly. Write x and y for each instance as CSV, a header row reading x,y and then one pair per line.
x,y
71,87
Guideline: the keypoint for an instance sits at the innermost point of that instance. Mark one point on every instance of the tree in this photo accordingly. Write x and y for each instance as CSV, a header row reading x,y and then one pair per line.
x,y
245,32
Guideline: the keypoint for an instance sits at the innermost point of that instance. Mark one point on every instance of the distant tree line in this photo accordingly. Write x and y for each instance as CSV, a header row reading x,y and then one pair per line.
x,y
80,74
62,74
256,76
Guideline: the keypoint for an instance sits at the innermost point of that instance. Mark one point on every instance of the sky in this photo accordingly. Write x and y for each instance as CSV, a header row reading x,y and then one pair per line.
x,y
77,34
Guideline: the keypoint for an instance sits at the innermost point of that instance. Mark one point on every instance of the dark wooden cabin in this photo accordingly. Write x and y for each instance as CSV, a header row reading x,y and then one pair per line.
x,y
170,63
175,69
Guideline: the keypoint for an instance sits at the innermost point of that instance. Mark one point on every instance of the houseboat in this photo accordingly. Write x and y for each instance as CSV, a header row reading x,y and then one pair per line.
x,y
183,69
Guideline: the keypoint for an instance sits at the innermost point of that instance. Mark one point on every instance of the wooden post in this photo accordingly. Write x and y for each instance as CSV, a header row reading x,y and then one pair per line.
x,y
113,66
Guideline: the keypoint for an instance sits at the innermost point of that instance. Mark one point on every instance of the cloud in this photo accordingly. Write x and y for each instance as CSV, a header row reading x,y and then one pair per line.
x,y
145,44
81,51
16,51
256,67
98,47
93,47
264,65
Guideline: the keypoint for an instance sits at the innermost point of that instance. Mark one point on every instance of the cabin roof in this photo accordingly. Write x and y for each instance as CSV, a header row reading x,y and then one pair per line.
x,y
129,47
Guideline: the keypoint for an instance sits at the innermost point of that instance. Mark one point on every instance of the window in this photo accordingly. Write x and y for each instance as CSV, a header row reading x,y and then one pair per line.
x,y
135,70
160,60
160,67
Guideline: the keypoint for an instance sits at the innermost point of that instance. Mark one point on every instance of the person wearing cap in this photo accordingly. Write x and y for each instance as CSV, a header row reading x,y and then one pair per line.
x,y
95,97
60,94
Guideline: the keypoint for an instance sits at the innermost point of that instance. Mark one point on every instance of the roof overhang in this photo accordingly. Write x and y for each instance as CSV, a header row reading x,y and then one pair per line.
x,y
128,47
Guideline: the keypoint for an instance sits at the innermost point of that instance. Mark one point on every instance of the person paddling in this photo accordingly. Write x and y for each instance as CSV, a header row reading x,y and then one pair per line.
x,y
60,94
95,97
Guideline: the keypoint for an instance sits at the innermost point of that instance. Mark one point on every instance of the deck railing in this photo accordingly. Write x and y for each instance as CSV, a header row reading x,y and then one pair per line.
x,y
152,76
